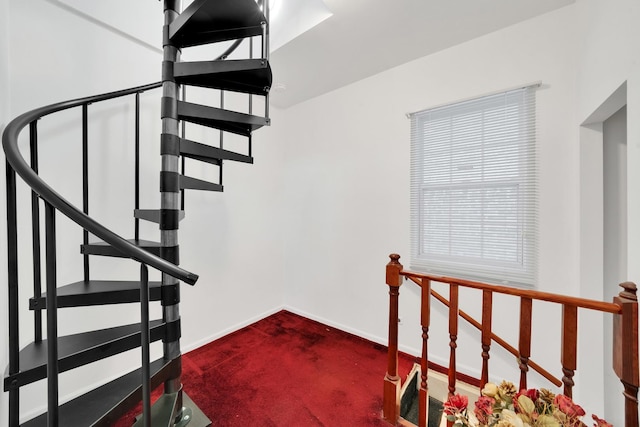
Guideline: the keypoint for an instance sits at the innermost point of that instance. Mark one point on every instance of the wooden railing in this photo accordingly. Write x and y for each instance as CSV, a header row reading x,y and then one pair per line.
x,y
624,309
495,338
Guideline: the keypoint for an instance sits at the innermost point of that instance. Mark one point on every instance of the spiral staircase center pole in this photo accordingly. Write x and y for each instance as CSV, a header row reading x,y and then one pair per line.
x,y
169,184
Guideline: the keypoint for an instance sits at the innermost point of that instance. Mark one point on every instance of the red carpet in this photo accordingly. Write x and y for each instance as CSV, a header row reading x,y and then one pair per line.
x,y
286,370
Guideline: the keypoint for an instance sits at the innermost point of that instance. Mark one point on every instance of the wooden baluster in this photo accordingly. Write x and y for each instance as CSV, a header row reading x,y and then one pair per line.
x,y
453,336
487,308
391,397
524,343
625,350
425,316
569,346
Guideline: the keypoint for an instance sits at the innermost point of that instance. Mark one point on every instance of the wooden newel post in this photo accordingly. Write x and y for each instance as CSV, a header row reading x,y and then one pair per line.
x,y
625,350
391,396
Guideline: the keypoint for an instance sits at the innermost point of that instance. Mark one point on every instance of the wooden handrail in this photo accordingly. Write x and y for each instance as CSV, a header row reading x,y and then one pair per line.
x,y
624,309
498,340
607,307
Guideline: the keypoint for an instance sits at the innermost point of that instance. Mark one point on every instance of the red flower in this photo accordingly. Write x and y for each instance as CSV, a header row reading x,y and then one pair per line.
x,y
455,404
567,406
484,409
600,422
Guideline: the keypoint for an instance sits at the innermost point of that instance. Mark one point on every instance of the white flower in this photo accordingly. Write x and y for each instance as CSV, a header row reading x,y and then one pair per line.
x,y
512,418
490,390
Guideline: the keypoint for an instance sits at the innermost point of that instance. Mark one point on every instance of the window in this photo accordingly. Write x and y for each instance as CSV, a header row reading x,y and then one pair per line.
x,y
474,189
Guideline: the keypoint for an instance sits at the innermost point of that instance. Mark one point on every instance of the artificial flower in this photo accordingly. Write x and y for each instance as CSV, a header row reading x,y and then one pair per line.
x,y
600,422
504,406
566,406
456,403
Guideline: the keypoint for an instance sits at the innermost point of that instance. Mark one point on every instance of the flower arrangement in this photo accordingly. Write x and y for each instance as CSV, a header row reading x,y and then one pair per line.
x,y
504,406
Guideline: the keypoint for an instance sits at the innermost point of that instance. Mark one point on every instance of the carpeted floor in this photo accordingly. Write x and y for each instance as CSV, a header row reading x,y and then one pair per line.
x,y
286,370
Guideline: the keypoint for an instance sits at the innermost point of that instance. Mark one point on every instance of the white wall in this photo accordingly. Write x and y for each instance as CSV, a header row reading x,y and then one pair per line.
x,y
232,240
347,190
4,117
608,58
614,131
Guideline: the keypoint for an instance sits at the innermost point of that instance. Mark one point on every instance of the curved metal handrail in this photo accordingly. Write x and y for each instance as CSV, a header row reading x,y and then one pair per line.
x,y
18,163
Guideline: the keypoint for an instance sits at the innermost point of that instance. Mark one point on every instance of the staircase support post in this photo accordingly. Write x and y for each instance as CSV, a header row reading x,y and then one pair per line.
x,y
625,350
425,320
391,397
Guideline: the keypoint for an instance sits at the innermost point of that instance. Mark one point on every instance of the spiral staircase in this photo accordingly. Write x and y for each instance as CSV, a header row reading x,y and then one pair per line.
x,y
203,22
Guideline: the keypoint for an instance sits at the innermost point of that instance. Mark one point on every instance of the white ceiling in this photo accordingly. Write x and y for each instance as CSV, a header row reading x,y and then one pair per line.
x,y
290,18
365,37
349,39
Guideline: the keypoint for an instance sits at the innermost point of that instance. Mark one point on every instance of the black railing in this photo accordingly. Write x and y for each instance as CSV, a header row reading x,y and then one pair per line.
x,y
16,164
85,183
52,315
35,230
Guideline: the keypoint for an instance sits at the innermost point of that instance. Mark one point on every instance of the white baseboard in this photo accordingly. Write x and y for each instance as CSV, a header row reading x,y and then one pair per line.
x,y
380,340
373,338
231,329
345,328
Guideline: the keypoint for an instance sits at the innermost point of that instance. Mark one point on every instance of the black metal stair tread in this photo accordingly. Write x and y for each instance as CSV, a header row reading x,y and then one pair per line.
x,y
209,154
246,76
80,349
230,121
153,215
98,292
104,405
189,183
105,249
209,21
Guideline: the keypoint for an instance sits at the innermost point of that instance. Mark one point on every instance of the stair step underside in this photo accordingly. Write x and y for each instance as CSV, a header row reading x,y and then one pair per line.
x,y
189,183
247,76
105,249
153,215
98,292
229,121
206,153
206,21
103,406
78,350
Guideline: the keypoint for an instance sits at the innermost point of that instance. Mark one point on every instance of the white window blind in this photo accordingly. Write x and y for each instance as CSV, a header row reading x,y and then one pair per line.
x,y
474,189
